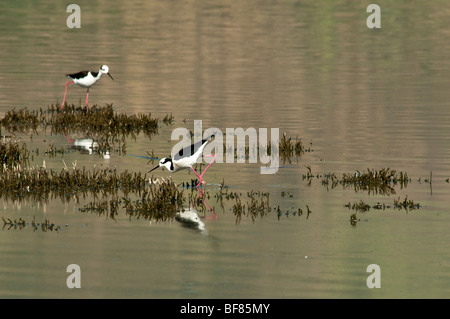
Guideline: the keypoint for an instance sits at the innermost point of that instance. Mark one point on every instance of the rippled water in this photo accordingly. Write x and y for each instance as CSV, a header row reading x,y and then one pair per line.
x,y
359,98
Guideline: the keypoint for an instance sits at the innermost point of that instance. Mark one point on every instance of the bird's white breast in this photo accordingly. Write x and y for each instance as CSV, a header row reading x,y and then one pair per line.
x,y
88,80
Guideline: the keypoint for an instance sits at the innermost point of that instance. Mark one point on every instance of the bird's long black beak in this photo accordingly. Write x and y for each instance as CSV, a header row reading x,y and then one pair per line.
x,y
110,76
153,169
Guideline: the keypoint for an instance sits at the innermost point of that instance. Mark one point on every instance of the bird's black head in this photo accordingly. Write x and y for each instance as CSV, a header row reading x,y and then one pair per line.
x,y
166,162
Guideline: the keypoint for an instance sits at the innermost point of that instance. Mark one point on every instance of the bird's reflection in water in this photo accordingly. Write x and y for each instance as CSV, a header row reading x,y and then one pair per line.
x,y
85,145
190,218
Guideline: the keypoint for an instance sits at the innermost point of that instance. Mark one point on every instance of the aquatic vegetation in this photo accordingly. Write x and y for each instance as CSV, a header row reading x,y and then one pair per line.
x,y
104,122
287,213
197,199
148,198
406,204
257,206
157,202
360,206
372,177
157,199
354,219
53,151
20,224
39,183
103,207
21,120
108,127
168,119
13,155
363,207
289,148
373,181
283,194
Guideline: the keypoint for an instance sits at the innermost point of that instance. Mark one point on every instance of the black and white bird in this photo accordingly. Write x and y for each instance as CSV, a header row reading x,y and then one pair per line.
x,y
86,79
186,158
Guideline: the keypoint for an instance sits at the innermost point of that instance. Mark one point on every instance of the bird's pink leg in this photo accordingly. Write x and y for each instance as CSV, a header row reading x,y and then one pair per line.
x,y
67,136
65,92
200,195
87,97
200,179
213,155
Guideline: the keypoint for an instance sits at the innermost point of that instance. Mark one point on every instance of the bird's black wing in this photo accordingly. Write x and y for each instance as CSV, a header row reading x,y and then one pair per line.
x,y
191,150
78,75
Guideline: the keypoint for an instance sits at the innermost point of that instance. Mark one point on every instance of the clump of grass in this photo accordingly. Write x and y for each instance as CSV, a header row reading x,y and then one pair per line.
x,y
384,176
41,183
197,200
360,206
21,120
288,147
354,219
373,181
13,155
406,204
283,194
258,205
287,213
103,207
52,151
224,193
168,119
20,224
102,121
157,202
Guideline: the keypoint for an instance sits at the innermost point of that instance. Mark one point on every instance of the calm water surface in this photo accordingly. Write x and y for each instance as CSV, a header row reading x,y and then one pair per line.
x,y
359,98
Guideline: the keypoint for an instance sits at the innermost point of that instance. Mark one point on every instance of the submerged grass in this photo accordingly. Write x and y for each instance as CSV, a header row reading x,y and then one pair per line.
x,y
157,202
373,181
39,184
104,122
20,224
257,205
362,207
151,200
287,148
13,155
